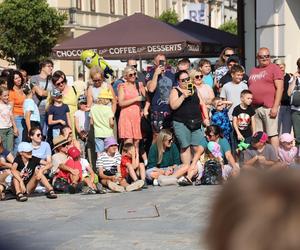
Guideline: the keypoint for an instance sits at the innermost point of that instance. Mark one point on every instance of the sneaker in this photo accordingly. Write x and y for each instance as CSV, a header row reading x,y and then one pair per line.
x,y
155,182
198,182
100,189
135,186
184,182
115,187
88,190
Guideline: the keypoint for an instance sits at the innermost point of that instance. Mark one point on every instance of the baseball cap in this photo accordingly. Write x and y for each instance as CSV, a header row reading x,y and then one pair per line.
x,y
233,59
214,148
56,93
73,152
259,136
25,147
110,141
286,137
82,99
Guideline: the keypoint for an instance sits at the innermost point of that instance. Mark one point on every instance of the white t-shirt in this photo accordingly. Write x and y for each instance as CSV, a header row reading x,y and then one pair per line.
x,y
107,162
84,165
84,120
5,115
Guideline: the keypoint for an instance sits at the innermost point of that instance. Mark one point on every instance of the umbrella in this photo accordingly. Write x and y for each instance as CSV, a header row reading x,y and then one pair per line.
x,y
137,36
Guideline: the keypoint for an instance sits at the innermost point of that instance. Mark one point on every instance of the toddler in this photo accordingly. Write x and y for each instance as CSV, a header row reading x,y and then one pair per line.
x,y
287,151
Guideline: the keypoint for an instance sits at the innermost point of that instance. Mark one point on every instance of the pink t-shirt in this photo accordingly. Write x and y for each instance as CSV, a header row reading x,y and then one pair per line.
x,y
261,84
287,156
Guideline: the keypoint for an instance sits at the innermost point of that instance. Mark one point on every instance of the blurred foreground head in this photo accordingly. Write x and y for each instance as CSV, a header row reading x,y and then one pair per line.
x,y
257,211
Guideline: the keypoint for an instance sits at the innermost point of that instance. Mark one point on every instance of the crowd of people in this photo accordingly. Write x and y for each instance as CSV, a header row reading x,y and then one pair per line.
x,y
185,125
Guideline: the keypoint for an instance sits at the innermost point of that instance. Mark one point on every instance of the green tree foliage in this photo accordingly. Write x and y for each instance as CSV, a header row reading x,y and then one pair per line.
x,y
229,26
28,30
169,16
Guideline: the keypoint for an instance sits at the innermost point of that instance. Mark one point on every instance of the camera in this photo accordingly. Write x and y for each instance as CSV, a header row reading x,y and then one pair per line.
x,y
161,63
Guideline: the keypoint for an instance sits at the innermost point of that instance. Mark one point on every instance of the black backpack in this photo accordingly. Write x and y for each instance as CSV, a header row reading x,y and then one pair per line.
x,y
212,173
295,97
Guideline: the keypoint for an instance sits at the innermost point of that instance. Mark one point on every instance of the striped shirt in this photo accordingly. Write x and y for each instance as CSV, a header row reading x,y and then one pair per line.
x,y
108,163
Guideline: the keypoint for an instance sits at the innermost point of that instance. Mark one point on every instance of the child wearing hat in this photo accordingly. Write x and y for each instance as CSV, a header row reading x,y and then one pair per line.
x,y
28,171
287,151
102,117
58,113
260,154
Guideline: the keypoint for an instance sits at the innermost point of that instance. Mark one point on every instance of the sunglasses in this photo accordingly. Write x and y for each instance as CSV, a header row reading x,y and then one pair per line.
x,y
185,79
135,65
59,84
228,55
198,77
64,145
263,56
96,81
132,74
170,140
29,153
38,135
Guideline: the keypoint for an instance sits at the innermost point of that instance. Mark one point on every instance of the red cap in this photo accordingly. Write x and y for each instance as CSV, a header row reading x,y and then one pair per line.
x,y
74,152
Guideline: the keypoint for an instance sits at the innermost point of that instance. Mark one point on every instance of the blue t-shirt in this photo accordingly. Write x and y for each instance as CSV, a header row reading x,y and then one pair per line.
x,y
43,151
209,80
30,106
160,97
59,113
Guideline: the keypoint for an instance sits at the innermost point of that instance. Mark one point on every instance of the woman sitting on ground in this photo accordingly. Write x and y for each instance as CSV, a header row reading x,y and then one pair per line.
x,y
164,159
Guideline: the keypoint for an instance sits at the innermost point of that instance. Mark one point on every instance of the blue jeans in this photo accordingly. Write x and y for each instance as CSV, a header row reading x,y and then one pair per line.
x,y
285,119
18,121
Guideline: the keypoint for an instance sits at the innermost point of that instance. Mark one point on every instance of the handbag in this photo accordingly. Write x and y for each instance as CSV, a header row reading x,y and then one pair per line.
x,y
193,124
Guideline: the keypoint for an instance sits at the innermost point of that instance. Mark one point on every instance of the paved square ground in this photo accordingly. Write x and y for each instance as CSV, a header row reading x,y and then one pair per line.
x,y
80,222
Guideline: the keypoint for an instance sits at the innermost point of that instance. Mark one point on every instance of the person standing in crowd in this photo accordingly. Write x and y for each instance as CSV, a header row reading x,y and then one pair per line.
x,y
293,92
69,94
130,96
285,112
43,81
8,126
205,67
204,90
232,90
187,119
221,66
266,85
80,85
160,81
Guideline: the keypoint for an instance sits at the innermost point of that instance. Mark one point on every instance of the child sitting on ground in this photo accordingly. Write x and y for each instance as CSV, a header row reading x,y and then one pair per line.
x,y
220,116
131,168
287,151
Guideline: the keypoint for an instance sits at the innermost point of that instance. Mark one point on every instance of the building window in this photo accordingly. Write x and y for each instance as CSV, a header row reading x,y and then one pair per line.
x,y
156,8
142,6
78,4
112,6
125,7
93,5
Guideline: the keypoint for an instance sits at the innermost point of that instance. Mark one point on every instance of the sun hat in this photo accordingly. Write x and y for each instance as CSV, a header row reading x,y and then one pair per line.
x,y
58,141
56,93
73,152
105,93
110,141
25,147
286,137
214,148
259,136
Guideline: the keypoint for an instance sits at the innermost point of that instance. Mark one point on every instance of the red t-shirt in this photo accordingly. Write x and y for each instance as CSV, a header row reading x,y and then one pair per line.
x,y
124,160
261,84
72,164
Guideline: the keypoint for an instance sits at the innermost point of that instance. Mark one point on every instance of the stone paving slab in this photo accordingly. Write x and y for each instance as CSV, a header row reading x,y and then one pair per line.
x,y
78,221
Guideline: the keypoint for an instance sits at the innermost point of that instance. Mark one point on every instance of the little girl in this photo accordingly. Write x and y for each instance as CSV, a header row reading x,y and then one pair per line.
x,y
102,117
130,168
58,113
31,112
287,151
8,127
220,116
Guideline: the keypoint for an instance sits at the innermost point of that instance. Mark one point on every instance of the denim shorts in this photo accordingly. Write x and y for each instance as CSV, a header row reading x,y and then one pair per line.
x,y
99,144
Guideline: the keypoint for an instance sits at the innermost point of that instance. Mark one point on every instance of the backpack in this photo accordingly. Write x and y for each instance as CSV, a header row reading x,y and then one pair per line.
x,y
212,173
295,97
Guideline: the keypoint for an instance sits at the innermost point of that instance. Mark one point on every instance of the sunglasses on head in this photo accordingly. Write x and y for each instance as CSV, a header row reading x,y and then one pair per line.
x,y
198,77
132,74
185,79
263,56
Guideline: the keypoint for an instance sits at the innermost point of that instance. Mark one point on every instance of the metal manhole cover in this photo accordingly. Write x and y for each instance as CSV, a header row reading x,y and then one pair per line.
x,y
129,213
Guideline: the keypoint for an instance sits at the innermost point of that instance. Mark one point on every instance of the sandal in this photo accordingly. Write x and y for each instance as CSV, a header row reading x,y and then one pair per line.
x,y
2,192
51,195
184,182
21,197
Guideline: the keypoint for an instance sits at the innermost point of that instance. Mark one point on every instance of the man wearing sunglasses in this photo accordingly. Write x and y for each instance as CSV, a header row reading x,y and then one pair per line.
x,y
160,80
266,84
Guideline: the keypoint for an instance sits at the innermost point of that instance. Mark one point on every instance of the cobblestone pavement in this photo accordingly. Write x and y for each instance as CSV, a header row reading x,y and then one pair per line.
x,y
80,221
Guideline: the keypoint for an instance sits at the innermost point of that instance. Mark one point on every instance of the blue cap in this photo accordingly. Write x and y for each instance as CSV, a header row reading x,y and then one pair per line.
x,y
25,147
56,93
